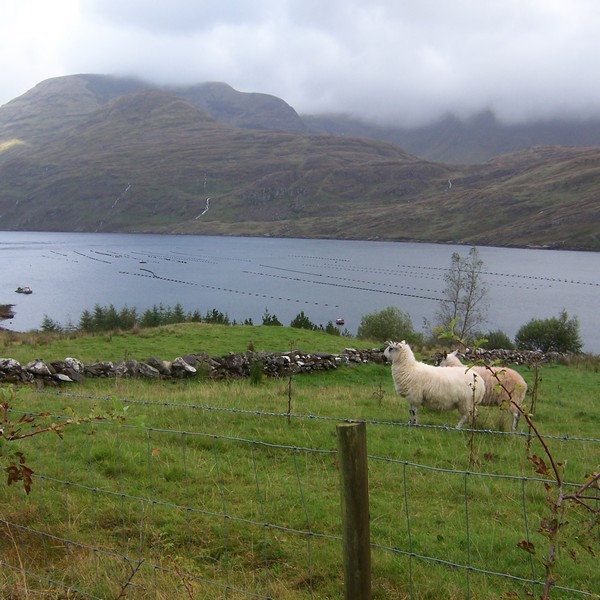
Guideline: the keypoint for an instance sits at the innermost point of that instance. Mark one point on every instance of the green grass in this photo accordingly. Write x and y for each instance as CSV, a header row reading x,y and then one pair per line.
x,y
167,342
130,478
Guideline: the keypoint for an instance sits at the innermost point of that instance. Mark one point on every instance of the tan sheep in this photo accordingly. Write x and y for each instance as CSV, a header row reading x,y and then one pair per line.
x,y
503,386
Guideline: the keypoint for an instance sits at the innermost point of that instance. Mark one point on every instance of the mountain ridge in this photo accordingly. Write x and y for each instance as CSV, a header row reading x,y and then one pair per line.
x,y
97,153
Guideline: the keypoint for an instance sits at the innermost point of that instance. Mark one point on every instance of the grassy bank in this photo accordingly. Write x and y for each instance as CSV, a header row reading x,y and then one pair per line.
x,y
168,342
212,485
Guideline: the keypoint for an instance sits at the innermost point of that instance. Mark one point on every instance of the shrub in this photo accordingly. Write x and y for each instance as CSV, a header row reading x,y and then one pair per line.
x,y
331,329
152,317
497,340
86,321
391,323
256,372
301,321
550,335
50,325
269,319
217,317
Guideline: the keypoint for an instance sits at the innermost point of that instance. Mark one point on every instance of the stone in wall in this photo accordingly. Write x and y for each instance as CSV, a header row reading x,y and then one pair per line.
x,y
230,366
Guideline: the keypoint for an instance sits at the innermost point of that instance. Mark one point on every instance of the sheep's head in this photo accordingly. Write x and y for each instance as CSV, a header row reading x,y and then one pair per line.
x,y
394,349
449,360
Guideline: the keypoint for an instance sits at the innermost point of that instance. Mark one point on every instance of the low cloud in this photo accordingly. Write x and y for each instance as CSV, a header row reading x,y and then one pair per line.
x,y
397,62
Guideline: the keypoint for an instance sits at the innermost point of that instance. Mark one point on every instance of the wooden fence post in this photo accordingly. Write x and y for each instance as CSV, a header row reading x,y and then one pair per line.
x,y
354,485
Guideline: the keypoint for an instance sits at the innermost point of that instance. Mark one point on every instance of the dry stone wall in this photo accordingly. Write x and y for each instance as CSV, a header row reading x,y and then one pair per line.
x,y
229,366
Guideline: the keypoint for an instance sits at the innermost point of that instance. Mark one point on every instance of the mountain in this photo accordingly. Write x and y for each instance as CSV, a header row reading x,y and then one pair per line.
x,y
98,153
469,141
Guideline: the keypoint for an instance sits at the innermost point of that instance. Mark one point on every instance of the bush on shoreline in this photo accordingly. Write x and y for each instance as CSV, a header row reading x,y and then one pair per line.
x,y
107,318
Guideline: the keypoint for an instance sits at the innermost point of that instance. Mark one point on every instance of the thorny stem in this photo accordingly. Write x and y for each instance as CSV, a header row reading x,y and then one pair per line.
x,y
552,527
127,583
22,436
538,435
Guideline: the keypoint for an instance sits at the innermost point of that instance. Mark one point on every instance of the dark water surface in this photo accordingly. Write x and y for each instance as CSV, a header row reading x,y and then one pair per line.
x,y
71,272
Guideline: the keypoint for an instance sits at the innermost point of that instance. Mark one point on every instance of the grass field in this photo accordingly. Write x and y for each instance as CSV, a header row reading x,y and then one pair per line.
x,y
212,490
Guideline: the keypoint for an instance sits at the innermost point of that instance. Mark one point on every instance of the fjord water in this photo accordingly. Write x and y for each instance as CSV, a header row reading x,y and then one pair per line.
x,y
244,277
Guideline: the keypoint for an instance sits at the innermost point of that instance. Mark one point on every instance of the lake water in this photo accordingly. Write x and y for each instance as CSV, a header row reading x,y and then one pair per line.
x,y
243,277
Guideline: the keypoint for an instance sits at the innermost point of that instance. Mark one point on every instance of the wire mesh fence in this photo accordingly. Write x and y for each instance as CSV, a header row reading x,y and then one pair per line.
x,y
198,501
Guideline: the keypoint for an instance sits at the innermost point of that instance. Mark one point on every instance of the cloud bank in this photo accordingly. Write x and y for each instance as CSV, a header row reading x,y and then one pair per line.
x,y
404,63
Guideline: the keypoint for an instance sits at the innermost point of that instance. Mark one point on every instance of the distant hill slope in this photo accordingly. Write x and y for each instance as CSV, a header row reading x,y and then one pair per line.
x,y
96,153
54,105
473,141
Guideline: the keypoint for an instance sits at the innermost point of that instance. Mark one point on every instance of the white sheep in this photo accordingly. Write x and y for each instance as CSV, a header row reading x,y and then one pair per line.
x,y
502,385
441,388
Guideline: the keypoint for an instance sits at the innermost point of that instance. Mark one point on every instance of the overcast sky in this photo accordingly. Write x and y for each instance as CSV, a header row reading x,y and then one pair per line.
x,y
401,61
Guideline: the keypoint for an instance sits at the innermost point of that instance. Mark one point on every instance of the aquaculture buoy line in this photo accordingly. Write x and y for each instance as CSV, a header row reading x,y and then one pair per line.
x,y
381,270
375,283
413,271
516,275
216,258
289,270
92,257
221,289
62,257
334,259
352,287
184,260
398,273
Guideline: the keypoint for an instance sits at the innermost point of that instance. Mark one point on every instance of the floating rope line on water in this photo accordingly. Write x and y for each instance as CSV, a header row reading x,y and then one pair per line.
x,y
509,275
153,275
92,257
352,287
414,273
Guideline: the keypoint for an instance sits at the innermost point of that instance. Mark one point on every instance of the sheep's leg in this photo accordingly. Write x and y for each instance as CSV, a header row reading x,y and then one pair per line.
x,y
462,421
414,415
516,417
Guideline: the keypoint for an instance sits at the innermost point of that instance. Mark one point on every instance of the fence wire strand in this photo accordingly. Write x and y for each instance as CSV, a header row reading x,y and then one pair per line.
x,y
150,504
287,415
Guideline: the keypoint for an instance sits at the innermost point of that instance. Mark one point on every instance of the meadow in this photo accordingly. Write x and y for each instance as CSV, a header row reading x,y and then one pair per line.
x,y
202,489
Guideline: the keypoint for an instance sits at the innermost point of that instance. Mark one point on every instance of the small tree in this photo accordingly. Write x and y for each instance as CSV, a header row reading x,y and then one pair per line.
x,y
217,317
550,335
331,329
178,314
269,319
301,321
151,317
86,321
127,317
496,340
111,318
195,317
391,323
99,318
465,296
50,326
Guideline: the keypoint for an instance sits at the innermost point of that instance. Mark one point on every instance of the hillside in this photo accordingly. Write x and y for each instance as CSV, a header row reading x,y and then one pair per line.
x,y
94,153
470,141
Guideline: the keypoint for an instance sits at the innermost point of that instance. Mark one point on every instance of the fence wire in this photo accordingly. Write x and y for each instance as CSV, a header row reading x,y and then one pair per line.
x,y
164,495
